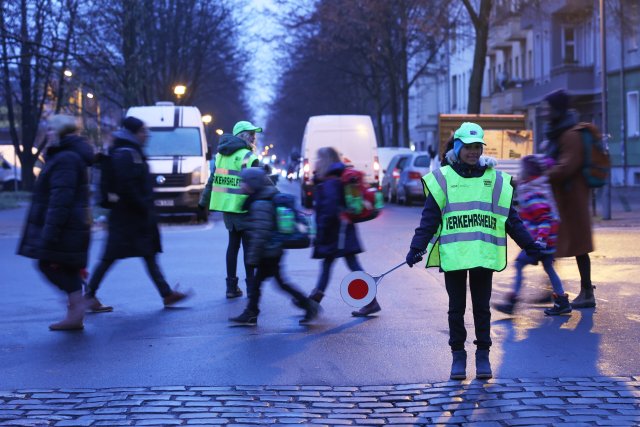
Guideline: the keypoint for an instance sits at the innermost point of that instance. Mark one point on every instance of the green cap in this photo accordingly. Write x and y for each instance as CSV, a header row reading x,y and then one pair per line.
x,y
243,126
469,133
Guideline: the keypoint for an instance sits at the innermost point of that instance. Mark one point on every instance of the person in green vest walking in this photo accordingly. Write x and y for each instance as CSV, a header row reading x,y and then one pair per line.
x,y
223,193
465,221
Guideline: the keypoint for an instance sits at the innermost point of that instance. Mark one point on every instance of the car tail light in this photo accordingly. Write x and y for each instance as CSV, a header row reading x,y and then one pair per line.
x,y
396,173
415,175
306,168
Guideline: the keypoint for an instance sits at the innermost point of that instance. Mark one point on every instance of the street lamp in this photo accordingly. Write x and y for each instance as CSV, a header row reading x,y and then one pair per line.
x,y
89,95
219,131
179,91
206,119
68,73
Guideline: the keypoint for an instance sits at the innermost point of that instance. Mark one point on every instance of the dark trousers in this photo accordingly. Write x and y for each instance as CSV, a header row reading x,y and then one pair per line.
x,y
327,263
270,267
152,268
233,248
480,286
65,277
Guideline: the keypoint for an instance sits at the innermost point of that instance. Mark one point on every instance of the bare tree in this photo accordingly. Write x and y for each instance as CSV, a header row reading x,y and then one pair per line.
x,y
480,21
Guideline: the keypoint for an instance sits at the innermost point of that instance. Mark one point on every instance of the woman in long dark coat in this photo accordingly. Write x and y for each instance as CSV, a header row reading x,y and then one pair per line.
x,y
335,236
58,226
133,226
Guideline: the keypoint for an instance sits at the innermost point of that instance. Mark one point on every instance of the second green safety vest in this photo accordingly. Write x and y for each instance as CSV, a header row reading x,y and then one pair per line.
x,y
226,195
474,214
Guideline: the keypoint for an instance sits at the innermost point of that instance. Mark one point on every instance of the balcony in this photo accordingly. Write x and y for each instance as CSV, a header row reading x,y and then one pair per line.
x,y
508,101
505,32
576,79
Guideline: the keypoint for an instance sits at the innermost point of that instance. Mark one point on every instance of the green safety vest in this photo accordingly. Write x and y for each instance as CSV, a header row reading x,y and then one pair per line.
x,y
474,214
226,195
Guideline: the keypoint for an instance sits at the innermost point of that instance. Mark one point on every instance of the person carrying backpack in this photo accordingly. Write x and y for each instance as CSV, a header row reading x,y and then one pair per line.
x,y
133,226
335,236
265,248
572,194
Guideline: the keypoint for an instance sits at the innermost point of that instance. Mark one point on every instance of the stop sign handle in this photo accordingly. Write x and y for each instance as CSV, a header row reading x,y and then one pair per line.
x,y
377,279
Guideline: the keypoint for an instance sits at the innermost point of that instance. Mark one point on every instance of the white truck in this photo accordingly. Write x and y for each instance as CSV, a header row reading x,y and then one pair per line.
x,y
352,136
177,154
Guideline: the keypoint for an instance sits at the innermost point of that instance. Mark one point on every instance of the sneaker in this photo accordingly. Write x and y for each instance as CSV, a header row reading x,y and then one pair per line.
x,y
247,318
313,309
560,306
509,306
367,310
95,306
174,298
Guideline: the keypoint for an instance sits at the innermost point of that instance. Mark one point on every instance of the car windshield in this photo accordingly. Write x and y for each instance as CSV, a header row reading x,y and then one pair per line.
x,y
422,162
173,142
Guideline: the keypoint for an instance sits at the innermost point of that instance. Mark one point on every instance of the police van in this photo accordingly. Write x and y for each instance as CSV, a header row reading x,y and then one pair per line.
x,y
177,154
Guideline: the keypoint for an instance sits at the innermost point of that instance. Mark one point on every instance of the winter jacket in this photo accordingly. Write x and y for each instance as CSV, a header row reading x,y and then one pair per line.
x,y
133,226
570,189
228,145
261,226
432,216
334,236
58,225
538,211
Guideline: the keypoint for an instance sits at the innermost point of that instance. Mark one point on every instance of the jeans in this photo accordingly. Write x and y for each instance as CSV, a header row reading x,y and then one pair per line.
x,y
480,286
233,248
65,277
152,268
325,275
547,263
270,267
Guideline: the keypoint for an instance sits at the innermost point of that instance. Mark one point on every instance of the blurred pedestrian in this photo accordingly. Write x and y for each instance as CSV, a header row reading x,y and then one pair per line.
x,y
465,221
133,226
264,251
538,211
335,236
570,190
223,193
58,227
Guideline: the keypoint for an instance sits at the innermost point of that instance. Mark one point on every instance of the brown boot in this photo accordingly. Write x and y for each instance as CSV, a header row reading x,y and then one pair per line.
x,y
75,314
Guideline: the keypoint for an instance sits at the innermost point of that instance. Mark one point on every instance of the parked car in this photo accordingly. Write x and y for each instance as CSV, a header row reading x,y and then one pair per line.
x,y
385,154
392,175
412,168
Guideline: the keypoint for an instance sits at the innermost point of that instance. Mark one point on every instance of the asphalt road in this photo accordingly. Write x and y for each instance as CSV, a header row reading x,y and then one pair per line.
x,y
143,344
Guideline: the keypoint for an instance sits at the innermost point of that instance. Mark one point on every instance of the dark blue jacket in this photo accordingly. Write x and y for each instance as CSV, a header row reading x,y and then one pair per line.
x,y
133,226
432,216
334,237
58,226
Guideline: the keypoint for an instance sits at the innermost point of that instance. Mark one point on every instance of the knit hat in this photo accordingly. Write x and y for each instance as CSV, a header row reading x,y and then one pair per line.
x,y
132,124
534,165
558,100
255,178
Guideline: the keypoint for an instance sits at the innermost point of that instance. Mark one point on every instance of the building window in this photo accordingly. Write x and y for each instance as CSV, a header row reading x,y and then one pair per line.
x,y
633,114
569,45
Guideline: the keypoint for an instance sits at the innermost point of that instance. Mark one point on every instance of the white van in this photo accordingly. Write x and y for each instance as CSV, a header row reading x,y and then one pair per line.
x,y
177,154
354,139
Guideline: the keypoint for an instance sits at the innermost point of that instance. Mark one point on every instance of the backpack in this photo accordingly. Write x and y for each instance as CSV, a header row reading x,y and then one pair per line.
x,y
293,227
108,196
362,202
597,163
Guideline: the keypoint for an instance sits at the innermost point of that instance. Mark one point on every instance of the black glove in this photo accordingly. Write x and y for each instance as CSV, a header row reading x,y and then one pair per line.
x,y
201,208
414,256
534,250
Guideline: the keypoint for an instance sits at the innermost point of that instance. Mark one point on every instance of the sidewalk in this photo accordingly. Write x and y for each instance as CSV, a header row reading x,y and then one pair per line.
x,y
598,401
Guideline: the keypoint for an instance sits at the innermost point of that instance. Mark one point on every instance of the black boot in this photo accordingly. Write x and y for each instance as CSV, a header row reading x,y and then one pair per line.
x,y
483,365
247,318
367,310
233,291
459,365
312,309
585,299
560,306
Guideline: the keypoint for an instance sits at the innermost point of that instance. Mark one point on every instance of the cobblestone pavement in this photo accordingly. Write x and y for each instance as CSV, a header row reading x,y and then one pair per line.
x,y
589,401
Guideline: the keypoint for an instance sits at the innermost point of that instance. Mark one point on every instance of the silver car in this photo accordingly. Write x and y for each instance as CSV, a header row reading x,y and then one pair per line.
x,y
412,168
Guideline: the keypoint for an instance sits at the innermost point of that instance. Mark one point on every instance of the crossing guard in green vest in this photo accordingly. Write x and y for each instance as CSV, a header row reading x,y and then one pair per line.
x,y
223,193
465,221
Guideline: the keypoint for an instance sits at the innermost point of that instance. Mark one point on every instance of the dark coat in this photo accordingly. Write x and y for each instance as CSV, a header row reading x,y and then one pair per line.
x,y
58,225
262,226
432,215
335,237
133,226
571,192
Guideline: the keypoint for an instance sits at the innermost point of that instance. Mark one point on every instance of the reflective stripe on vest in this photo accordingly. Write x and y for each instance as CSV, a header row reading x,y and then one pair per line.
x,y
226,195
474,214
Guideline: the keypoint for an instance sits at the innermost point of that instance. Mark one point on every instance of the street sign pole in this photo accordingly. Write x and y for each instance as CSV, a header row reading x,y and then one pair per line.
x,y
606,191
